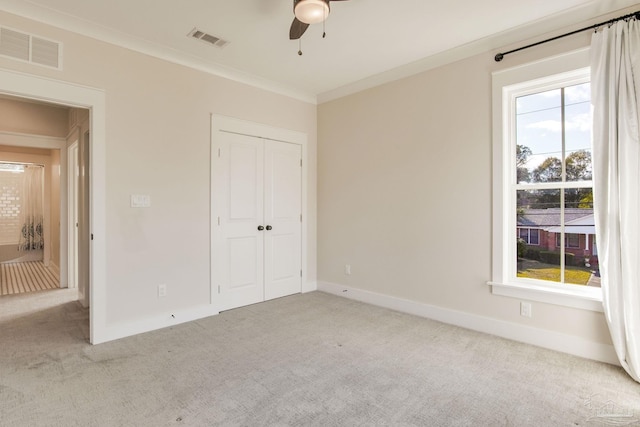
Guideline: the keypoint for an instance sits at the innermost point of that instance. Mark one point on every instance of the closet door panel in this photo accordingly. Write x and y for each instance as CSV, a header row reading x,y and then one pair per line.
x,y
283,207
238,244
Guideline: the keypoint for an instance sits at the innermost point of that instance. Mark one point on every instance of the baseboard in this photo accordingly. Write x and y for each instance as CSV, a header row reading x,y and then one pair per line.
x,y
114,332
123,330
309,287
539,337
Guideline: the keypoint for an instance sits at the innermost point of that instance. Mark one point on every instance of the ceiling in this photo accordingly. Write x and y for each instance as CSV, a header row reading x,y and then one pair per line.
x,y
368,41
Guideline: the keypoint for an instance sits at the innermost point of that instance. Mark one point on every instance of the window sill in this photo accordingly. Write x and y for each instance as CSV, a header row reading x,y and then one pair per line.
x,y
585,298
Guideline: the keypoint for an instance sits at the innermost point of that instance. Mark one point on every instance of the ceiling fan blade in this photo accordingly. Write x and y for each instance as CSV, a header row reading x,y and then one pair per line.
x,y
297,29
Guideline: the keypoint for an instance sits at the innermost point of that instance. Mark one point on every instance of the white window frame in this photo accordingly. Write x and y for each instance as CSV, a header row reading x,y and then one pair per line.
x,y
570,68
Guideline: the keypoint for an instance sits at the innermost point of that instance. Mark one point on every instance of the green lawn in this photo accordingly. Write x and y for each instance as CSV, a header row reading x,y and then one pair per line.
x,y
541,271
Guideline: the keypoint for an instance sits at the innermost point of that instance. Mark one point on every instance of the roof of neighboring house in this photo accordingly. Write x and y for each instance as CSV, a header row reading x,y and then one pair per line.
x,y
582,225
545,218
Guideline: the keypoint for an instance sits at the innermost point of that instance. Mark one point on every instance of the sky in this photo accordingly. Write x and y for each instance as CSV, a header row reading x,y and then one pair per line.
x,y
539,122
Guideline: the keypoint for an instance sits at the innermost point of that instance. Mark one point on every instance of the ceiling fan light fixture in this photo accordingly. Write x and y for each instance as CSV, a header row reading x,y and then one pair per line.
x,y
311,11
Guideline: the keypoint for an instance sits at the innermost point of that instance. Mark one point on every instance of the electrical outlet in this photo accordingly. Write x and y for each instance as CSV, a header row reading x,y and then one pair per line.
x,y
525,309
162,290
347,269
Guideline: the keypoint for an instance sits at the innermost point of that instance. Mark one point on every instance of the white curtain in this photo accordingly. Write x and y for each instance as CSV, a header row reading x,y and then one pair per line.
x,y
31,209
615,83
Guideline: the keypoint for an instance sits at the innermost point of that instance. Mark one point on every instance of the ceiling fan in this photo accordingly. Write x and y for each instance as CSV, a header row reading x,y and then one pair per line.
x,y
308,12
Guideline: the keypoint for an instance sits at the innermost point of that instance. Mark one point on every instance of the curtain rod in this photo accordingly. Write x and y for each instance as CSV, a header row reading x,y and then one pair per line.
x,y
635,15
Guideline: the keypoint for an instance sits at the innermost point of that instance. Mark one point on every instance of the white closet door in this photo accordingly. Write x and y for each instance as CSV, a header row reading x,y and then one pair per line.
x,y
238,244
282,216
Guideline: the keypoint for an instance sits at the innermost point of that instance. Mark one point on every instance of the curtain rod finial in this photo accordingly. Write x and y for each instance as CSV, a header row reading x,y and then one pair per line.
x,y
498,57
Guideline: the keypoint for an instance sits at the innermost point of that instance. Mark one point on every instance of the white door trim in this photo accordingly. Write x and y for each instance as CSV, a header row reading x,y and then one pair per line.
x,y
221,123
72,215
64,93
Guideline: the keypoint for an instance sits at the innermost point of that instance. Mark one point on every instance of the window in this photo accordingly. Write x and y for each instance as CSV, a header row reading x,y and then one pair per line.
x,y
551,183
570,240
542,182
531,236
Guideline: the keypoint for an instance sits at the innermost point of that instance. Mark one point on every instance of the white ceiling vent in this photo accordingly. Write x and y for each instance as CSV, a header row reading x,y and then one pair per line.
x,y
29,48
208,38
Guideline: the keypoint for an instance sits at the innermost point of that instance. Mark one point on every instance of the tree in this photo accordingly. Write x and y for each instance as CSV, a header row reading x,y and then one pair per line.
x,y
587,201
549,171
577,168
522,155
577,165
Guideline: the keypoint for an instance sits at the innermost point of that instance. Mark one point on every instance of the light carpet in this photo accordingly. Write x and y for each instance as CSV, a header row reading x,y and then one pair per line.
x,y
305,360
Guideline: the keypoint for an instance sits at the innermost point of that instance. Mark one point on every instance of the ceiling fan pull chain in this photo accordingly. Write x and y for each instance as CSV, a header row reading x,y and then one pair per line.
x,y
324,23
300,46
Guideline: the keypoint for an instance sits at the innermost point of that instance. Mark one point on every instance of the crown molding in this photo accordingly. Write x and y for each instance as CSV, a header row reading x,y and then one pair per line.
x,y
552,25
67,22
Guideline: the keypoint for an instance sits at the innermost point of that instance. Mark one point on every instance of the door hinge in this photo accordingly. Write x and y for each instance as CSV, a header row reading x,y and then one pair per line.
x,y
218,220
300,273
300,217
218,152
218,288
91,236
300,162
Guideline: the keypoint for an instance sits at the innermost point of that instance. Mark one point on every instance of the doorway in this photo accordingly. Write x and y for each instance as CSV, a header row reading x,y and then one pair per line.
x,y
38,89
35,253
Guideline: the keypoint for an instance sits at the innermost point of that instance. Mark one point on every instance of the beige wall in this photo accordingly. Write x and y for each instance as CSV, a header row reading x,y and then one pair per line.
x,y
32,118
404,193
158,143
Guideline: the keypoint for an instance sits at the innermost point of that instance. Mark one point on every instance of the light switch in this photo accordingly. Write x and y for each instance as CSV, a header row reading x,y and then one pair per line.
x,y
140,201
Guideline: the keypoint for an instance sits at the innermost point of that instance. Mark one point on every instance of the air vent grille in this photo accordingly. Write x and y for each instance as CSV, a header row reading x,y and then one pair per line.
x,y
29,48
208,38
45,52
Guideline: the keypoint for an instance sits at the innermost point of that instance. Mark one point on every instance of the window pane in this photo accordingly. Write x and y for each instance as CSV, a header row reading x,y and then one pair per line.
x,y
539,137
578,198
523,233
534,237
579,228
539,209
573,241
578,132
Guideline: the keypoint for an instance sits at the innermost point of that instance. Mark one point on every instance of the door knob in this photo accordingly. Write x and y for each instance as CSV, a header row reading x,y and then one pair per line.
x,y
269,227
260,228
